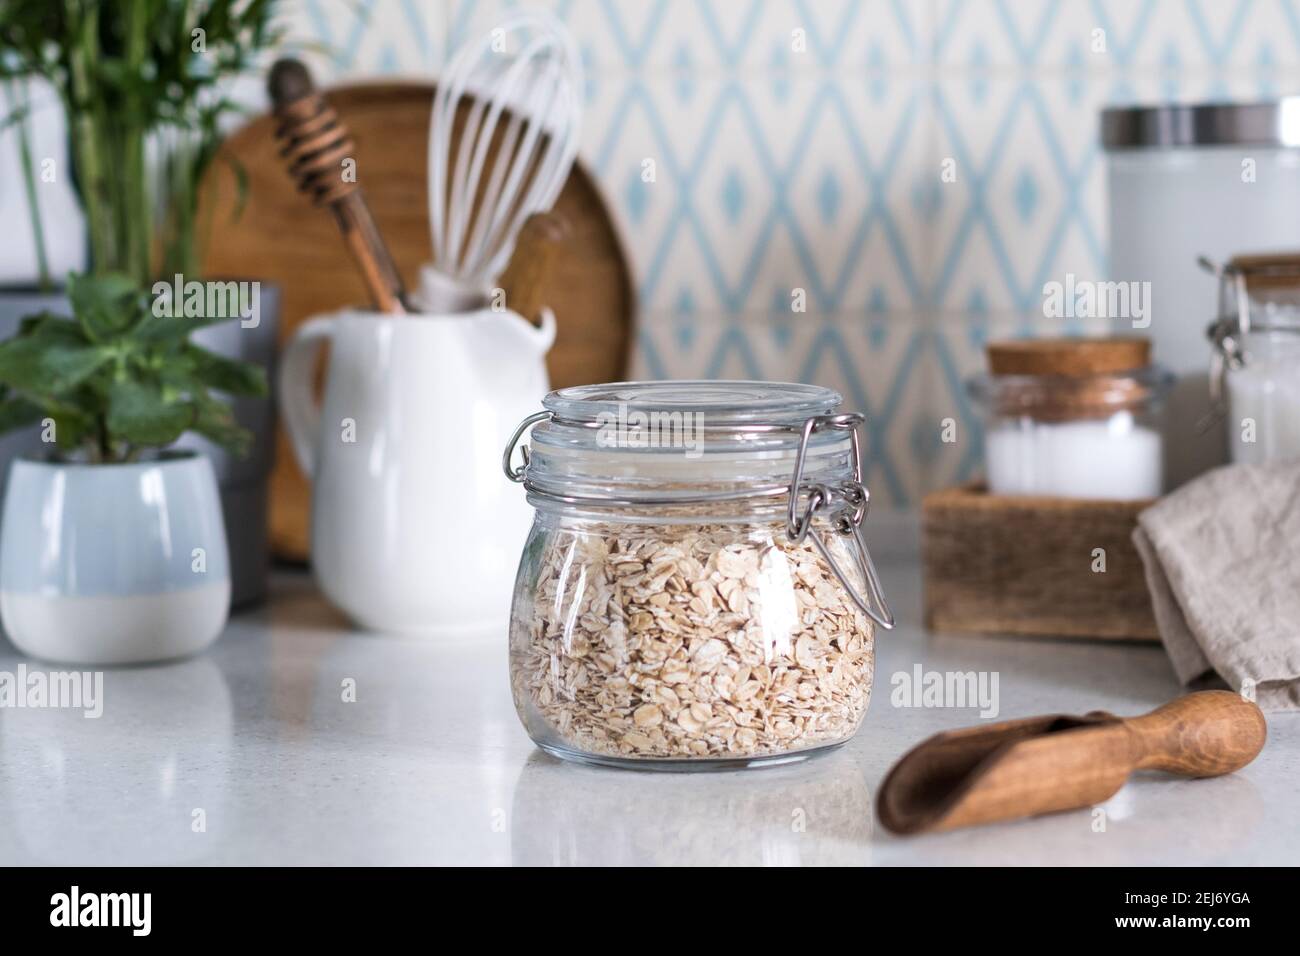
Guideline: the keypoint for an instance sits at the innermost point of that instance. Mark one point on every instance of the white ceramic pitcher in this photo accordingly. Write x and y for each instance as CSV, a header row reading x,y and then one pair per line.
x,y
414,528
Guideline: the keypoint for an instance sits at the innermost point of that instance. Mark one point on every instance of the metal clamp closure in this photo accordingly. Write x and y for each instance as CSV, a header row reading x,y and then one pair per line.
x,y
844,505
507,460
1227,356
834,501
1227,333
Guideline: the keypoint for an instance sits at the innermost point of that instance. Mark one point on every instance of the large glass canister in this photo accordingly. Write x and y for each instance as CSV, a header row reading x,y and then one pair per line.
x,y
1255,373
696,589
1186,180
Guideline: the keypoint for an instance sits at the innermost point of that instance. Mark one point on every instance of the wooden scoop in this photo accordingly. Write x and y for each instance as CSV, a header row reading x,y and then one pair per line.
x,y
1022,768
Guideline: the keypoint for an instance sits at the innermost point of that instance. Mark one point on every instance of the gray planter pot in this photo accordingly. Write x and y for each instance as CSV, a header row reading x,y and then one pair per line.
x,y
243,482
135,567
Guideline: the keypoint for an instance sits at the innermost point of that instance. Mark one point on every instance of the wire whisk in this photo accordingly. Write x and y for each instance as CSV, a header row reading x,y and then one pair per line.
x,y
518,92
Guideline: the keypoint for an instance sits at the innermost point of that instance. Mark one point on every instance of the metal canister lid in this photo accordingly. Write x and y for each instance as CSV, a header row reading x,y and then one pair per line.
x,y
1170,126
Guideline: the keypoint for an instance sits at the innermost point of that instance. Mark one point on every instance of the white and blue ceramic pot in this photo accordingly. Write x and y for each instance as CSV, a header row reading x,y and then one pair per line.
x,y
244,483
113,564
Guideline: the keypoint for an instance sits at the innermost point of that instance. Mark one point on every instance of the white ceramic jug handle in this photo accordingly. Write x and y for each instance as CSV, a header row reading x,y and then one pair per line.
x,y
546,331
298,404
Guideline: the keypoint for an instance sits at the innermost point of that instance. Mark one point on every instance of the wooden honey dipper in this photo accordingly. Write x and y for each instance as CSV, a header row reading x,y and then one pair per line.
x,y
316,143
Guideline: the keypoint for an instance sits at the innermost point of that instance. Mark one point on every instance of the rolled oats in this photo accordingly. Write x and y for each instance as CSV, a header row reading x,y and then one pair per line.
x,y
687,641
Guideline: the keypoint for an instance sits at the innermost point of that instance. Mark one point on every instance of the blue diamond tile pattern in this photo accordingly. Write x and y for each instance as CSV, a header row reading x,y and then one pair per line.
x,y
909,172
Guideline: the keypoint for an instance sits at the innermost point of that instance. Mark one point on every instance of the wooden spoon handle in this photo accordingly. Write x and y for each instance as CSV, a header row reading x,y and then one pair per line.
x,y
528,272
1204,734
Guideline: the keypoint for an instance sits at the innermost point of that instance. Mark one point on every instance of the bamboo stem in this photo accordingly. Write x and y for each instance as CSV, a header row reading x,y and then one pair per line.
x,y
18,95
87,142
135,215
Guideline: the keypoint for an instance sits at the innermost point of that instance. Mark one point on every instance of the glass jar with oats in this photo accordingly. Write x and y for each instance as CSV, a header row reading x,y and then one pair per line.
x,y
696,590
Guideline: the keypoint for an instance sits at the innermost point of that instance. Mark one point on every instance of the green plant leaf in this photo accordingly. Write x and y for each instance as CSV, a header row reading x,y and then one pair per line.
x,y
216,423
49,327
71,429
106,306
224,374
18,412
79,414
47,364
140,415
133,86
73,422
170,328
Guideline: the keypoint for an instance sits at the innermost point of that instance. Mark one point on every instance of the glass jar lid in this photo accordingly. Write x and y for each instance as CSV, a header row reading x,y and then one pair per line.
x,y
720,401
703,451
713,418
685,441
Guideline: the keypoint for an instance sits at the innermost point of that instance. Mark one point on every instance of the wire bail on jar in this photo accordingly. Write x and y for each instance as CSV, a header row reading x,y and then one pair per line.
x,y
1234,321
847,502
1226,333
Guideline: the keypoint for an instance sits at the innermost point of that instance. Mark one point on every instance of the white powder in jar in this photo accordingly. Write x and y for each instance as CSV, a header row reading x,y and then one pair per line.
x,y
1265,413
1115,458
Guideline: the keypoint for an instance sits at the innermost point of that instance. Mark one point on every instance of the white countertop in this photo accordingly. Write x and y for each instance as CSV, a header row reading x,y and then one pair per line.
x,y
430,766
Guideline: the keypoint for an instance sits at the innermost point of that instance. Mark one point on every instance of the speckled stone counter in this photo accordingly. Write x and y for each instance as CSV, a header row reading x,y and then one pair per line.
x,y
251,754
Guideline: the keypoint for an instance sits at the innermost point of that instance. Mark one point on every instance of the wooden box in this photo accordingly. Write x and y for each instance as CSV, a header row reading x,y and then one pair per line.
x,y
1015,565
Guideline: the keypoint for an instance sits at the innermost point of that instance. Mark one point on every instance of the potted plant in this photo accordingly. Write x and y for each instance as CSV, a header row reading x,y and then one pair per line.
x,y
113,548
143,86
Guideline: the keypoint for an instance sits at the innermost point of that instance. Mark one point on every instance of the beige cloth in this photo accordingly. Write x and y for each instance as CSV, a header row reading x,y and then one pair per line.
x,y
1222,557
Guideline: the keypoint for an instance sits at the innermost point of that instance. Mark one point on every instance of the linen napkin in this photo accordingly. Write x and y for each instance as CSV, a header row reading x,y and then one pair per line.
x,y
1222,560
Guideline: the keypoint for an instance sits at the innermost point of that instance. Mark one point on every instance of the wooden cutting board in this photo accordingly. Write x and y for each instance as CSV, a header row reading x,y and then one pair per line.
x,y
279,236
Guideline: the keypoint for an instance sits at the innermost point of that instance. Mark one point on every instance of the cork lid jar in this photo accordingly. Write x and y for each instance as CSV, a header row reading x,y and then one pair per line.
x,y
1072,417
1069,378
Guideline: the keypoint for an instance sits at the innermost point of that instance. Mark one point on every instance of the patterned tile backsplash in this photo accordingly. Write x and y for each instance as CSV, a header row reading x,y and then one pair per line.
x,y
803,145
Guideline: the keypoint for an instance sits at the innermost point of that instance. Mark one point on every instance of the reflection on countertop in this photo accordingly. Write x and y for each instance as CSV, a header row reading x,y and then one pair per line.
x,y
304,742
124,785
818,812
